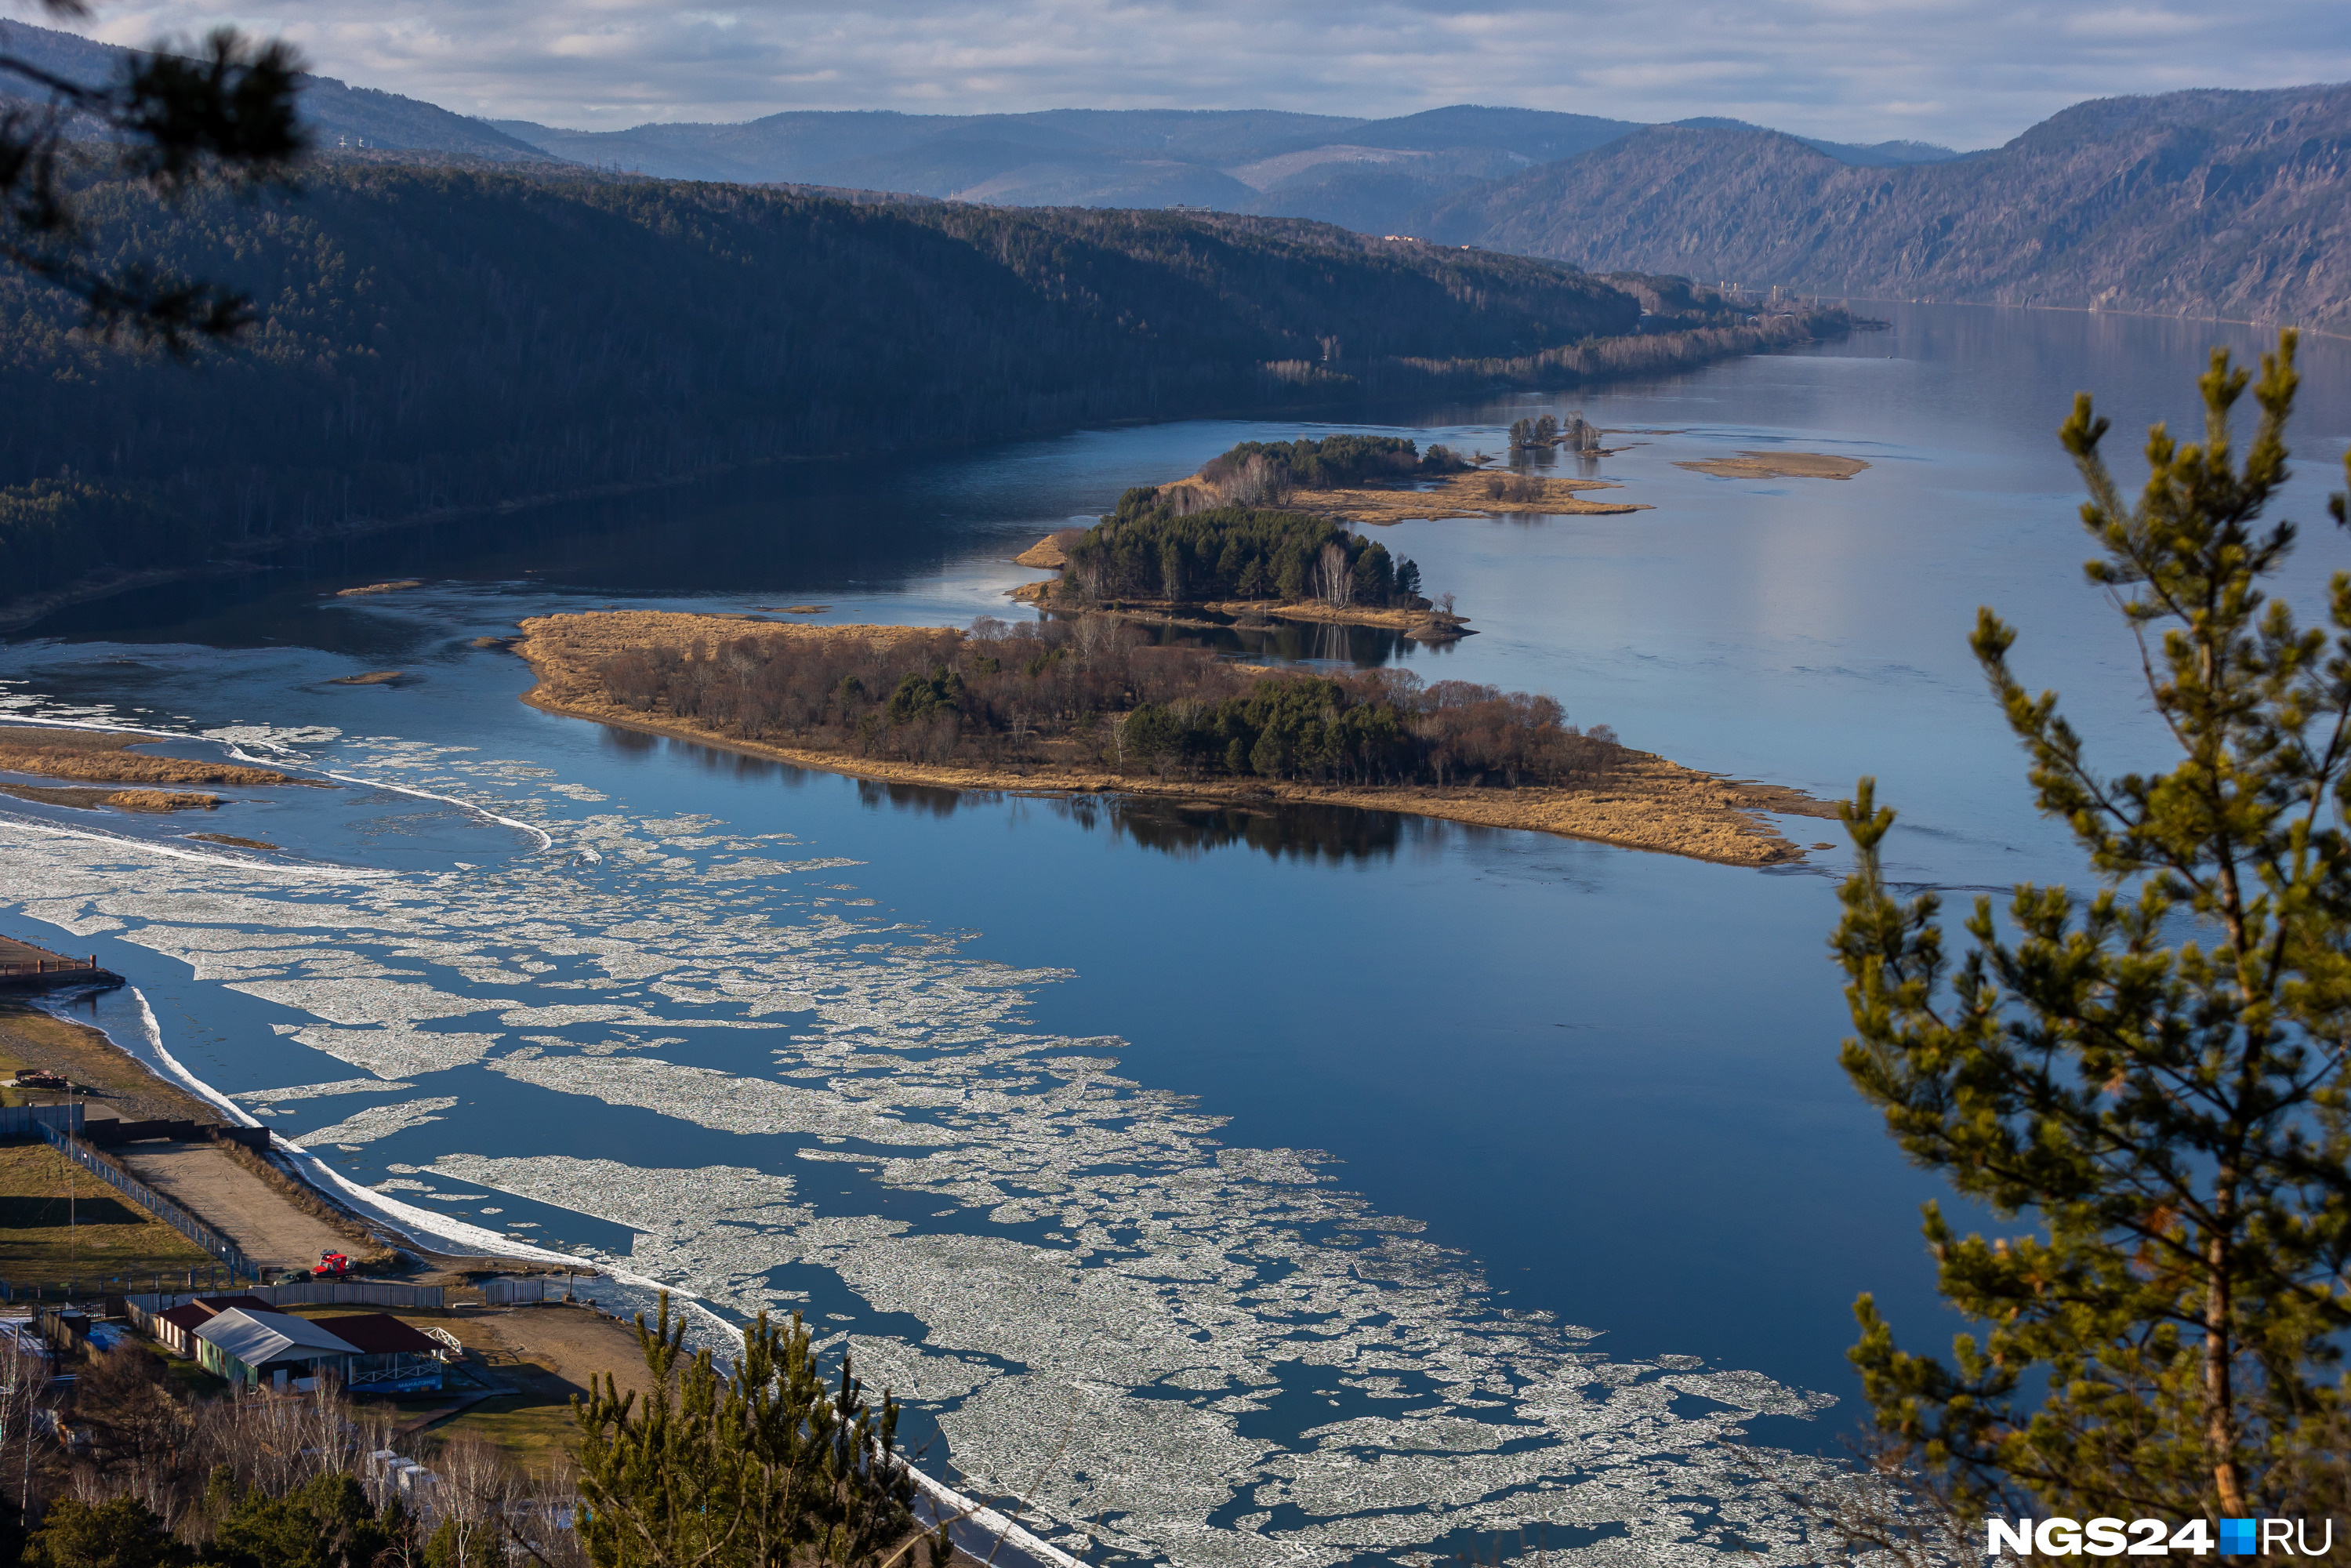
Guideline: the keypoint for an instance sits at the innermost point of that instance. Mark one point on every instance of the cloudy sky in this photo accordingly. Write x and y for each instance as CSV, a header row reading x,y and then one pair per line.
x,y
1967,73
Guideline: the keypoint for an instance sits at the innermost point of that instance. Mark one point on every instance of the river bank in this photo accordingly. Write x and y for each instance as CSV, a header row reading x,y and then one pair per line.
x,y
1647,803
253,1198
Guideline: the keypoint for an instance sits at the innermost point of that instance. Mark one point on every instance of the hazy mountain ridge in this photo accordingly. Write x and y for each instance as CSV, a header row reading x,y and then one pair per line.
x,y
2202,203
2205,203
336,113
1370,176
1367,174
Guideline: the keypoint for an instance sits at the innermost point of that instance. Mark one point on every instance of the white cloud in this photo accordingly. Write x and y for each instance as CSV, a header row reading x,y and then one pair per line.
x,y
1968,72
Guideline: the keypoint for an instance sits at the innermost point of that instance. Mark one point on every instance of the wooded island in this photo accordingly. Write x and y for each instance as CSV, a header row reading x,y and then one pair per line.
x,y
1261,531
1087,703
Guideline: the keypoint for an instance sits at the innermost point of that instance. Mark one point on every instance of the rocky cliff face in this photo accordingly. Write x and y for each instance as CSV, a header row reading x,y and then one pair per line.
x,y
2207,203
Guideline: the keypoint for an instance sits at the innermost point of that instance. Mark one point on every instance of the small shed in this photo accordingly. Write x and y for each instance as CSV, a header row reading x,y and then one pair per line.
x,y
174,1329
391,1355
250,1347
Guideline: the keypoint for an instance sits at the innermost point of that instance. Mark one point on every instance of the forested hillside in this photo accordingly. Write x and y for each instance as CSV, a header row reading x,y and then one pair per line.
x,y
434,339
2224,204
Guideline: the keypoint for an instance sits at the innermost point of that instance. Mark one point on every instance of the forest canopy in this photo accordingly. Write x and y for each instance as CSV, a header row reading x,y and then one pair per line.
x,y
1097,692
1148,550
1322,463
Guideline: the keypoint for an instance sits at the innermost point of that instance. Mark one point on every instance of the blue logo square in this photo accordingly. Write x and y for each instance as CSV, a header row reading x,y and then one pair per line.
x,y
2237,1538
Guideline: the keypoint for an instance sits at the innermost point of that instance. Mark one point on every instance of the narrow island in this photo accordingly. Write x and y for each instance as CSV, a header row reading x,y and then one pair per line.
x,y
1085,703
1385,479
1779,465
100,757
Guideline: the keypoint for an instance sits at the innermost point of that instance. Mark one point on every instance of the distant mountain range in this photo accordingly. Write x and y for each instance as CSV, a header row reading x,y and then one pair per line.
x,y
1370,176
2204,203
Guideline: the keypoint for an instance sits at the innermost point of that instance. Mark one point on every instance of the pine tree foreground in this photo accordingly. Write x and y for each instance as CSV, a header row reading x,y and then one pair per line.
x,y
758,1469
2156,1072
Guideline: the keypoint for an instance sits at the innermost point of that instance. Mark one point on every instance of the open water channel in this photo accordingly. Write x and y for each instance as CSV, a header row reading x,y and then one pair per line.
x,y
1303,1188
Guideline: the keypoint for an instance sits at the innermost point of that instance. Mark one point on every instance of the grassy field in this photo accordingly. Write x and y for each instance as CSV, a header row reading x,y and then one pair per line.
x,y
58,1223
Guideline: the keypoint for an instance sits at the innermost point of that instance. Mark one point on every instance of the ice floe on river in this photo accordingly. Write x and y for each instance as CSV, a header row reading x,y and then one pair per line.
x,y
1196,1353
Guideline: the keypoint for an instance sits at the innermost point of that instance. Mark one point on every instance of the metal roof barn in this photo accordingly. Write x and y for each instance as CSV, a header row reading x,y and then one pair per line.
x,y
245,1346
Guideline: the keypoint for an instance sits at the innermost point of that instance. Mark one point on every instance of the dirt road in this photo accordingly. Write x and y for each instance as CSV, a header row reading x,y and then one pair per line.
x,y
203,1179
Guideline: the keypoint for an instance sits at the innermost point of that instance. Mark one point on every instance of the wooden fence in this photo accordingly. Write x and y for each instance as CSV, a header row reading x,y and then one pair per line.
x,y
34,969
351,1293
507,1291
22,1121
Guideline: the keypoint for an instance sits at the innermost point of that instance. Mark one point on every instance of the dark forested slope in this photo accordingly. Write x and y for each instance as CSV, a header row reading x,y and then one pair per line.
x,y
2227,204
434,339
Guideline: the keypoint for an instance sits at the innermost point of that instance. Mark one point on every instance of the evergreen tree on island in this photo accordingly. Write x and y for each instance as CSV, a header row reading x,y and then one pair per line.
x,y
2155,1071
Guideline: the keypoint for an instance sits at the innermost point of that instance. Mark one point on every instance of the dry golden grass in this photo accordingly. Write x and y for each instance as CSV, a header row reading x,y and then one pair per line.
x,y
1428,626
159,800
93,755
1472,495
1648,803
1052,550
566,649
121,800
127,769
1779,465
379,587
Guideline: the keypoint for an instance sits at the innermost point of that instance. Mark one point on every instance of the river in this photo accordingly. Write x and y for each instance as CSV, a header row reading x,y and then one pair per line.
x,y
1241,1188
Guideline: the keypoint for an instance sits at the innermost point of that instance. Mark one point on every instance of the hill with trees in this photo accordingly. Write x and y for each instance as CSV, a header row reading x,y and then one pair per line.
x,y
2206,203
434,339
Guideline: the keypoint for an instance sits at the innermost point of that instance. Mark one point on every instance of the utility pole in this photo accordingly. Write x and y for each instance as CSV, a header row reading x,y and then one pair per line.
x,y
73,1231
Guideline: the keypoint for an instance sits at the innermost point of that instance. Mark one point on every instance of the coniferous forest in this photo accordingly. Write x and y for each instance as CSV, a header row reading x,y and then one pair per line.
x,y
432,339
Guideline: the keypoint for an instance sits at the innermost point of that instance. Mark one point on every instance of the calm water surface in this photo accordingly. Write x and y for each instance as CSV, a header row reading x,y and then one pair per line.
x,y
1297,1188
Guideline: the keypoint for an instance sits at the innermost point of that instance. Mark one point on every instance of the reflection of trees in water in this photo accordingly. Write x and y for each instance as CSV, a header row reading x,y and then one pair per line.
x,y
1364,647
638,746
1192,829
1175,828
918,797
1304,832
